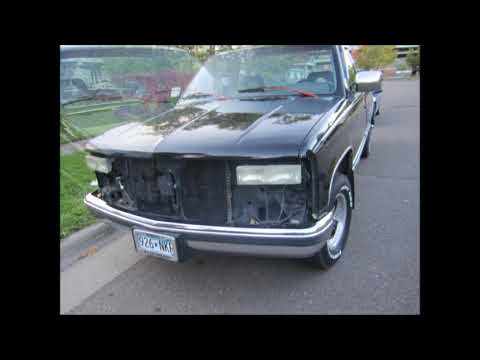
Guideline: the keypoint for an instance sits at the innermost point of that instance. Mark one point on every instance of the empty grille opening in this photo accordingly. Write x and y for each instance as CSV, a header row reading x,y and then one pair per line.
x,y
185,190
195,191
204,192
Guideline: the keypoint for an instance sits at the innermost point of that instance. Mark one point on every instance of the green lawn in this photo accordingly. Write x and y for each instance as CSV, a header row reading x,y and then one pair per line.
x,y
90,120
93,124
75,179
87,121
68,137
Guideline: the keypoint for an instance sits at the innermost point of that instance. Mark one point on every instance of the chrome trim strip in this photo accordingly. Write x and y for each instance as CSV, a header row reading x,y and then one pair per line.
x,y
259,250
337,122
103,208
332,126
335,170
356,159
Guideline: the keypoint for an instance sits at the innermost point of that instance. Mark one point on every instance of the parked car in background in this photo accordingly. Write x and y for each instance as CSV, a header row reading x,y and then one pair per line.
x,y
247,162
154,87
102,87
405,73
85,77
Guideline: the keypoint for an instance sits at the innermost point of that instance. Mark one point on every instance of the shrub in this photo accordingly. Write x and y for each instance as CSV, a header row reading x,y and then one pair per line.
x,y
376,56
413,60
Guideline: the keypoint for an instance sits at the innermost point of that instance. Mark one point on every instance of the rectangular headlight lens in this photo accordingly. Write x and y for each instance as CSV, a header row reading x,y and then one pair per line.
x,y
269,174
102,165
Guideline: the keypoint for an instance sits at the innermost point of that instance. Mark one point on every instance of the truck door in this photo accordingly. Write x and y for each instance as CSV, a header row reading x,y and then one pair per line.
x,y
357,102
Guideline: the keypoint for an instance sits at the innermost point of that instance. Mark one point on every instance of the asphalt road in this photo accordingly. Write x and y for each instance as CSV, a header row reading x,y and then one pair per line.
x,y
377,274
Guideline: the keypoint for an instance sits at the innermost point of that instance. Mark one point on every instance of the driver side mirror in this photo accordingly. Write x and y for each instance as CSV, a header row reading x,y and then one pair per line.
x,y
368,81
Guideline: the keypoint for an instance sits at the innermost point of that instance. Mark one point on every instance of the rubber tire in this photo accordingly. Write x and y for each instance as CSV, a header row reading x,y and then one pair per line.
x,y
366,148
323,259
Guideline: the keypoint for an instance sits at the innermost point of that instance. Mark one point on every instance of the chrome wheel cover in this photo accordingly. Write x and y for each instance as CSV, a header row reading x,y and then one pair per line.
x,y
340,219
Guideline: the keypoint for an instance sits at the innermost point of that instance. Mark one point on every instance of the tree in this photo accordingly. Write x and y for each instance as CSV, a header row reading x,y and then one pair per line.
x,y
224,47
203,52
376,56
413,60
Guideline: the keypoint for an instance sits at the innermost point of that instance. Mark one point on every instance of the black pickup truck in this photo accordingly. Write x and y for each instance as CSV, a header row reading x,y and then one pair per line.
x,y
249,161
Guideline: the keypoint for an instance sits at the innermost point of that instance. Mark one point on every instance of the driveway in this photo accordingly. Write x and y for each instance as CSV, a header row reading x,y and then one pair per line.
x,y
377,274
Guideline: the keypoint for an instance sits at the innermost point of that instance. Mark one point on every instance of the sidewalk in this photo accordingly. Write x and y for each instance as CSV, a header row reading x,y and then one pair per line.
x,y
96,269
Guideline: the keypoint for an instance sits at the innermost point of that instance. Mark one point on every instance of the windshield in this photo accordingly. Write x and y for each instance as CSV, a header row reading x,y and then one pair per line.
x,y
102,87
267,71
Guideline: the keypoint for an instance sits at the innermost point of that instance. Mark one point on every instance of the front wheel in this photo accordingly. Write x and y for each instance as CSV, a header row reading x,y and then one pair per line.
x,y
342,213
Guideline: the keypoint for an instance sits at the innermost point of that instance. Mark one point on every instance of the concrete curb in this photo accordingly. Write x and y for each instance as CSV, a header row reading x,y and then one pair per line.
x,y
94,271
92,231
85,243
91,258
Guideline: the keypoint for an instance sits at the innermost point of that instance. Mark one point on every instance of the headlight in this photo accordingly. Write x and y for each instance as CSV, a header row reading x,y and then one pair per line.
x,y
102,165
269,174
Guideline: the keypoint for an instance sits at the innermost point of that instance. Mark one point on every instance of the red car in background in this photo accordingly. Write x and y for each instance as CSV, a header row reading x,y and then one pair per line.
x,y
154,88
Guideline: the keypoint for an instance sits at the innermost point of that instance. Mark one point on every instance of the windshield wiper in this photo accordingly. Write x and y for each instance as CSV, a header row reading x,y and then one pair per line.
x,y
274,88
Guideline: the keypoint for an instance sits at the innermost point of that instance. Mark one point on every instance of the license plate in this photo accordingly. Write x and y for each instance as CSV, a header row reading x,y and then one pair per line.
x,y
155,244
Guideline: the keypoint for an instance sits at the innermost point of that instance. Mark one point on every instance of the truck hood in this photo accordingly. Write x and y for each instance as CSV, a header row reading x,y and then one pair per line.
x,y
228,129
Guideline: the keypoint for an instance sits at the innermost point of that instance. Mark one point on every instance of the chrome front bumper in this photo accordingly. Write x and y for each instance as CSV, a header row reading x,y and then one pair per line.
x,y
295,243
